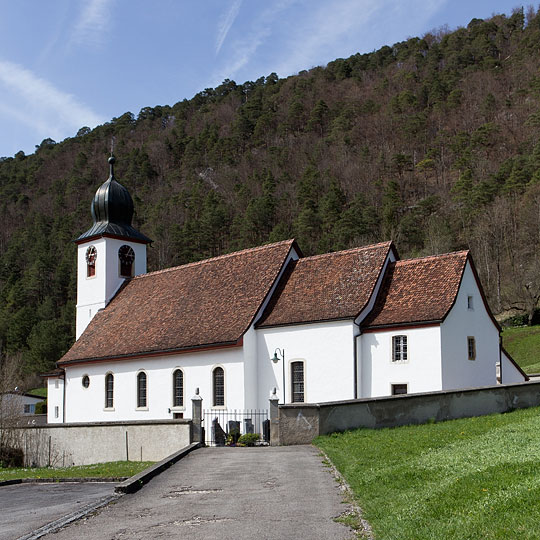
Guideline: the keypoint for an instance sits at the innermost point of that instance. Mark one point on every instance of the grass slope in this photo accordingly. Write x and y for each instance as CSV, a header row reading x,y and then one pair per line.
x,y
39,392
470,478
113,469
523,343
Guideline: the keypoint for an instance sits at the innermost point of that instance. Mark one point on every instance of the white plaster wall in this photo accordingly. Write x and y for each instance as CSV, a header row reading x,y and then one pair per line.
x,y
250,369
93,293
421,372
55,398
88,404
327,350
458,371
510,374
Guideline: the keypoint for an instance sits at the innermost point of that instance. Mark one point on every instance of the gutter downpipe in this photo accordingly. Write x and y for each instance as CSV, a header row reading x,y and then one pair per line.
x,y
355,359
64,399
500,358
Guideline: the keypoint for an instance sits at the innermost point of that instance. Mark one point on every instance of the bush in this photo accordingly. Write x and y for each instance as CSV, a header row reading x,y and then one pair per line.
x,y
41,407
522,319
232,437
249,439
11,457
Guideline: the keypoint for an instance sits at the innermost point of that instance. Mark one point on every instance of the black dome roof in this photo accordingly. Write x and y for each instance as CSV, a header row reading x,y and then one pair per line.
x,y
112,211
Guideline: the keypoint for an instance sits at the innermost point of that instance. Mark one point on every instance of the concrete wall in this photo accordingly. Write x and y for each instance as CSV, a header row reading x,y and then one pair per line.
x,y
299,424
85,444
327,350
421,372
457,370
88,404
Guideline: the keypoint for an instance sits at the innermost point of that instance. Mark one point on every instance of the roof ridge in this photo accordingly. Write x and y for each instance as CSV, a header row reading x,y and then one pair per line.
x,y
350,250
427,257
219,257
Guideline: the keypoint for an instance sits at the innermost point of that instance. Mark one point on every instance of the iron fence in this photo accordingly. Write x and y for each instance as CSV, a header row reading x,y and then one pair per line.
x,y
225,426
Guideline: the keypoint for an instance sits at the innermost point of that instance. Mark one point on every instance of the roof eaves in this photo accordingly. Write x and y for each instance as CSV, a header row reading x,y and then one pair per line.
x,y
312,321
396,325
161,352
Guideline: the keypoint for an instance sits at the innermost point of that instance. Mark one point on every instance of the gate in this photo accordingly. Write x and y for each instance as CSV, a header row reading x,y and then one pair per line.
x,y
224,426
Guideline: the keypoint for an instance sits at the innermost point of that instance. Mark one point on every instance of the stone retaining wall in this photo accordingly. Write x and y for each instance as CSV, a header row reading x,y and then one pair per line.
x,y
301,423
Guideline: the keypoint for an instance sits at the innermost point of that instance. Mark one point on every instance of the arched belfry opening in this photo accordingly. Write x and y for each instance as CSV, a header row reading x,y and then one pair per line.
x,y
91,256
126,260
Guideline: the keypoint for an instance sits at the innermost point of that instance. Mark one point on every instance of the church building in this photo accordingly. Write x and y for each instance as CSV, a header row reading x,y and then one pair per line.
x,y
352,324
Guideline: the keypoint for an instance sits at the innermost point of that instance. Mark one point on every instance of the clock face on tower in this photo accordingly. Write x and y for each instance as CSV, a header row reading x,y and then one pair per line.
x,y
126,257
91,256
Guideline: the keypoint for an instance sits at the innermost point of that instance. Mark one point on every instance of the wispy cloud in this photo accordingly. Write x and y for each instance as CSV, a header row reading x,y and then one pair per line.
x,y
225,23
291,35
334,29
36,102
93,23
244,49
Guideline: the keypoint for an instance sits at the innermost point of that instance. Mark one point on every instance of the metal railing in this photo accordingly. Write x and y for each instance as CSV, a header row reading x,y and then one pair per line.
x,y
225,426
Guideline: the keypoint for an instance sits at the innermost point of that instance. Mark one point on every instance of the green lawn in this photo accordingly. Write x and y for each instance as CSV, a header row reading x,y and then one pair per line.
x,y
114,469
523,343
476,478
42,392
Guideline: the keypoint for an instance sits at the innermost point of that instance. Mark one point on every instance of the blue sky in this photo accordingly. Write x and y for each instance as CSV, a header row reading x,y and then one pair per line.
x,y
65,64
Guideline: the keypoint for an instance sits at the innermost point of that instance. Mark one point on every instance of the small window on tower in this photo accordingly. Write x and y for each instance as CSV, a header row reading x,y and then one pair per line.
x,y
126,257
91,255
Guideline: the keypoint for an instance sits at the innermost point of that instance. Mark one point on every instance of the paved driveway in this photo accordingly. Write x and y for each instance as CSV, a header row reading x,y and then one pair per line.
x,y
227,493
26,507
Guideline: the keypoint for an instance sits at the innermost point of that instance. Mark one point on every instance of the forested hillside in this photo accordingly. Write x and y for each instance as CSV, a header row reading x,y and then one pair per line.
x,y
432,142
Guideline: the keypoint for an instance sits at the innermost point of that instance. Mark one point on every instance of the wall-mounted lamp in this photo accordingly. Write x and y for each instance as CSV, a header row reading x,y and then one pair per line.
x,y
275,359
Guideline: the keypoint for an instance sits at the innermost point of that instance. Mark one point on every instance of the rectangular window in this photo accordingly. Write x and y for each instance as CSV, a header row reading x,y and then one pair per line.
x,y
56,411
470,304
471,347
399,349
56,383
297,378
28,409
398,389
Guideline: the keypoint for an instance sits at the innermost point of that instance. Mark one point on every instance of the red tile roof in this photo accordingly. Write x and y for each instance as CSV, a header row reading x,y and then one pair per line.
x,y
418,290
326,287
199,304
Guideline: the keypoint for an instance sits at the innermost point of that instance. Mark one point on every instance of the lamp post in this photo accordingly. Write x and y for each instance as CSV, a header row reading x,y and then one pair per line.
x,y
275,359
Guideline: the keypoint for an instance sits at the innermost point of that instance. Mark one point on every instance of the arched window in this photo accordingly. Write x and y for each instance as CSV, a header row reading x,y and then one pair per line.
x,y
297,380
178,388
91,256
126,257
218,380
109,391
141,389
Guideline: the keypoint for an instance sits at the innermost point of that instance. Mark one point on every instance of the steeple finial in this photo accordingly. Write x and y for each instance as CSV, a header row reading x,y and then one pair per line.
x,y
112,160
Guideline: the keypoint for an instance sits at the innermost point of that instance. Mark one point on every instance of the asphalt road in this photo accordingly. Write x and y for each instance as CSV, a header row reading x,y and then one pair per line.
x,y
26,507
227,493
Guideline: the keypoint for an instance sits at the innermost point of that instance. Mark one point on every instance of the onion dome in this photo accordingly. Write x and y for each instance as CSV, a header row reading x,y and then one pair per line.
x,y
112,211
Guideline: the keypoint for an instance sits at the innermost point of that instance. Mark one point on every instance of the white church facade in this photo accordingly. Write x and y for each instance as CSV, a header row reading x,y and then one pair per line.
x,y
352,324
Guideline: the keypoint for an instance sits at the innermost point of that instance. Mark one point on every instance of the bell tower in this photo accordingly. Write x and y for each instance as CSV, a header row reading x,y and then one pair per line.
x,y
108,253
